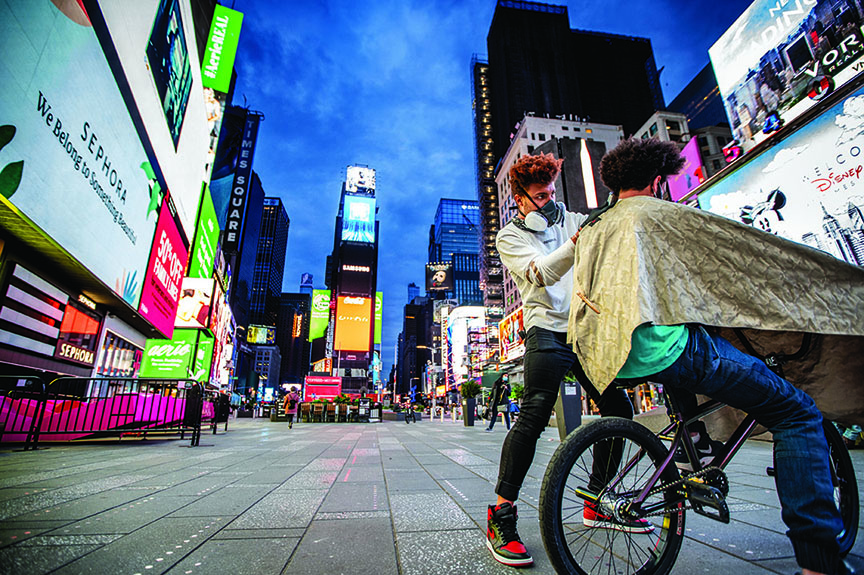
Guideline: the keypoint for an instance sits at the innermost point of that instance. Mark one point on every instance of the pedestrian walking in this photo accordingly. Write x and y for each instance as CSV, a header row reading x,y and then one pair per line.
x,y
499,402
292,402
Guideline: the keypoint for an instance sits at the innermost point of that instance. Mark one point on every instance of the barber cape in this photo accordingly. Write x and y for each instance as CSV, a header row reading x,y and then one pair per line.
x,y
647,260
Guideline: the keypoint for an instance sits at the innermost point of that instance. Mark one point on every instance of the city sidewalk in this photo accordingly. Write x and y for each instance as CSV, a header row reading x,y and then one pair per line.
x,y
385,498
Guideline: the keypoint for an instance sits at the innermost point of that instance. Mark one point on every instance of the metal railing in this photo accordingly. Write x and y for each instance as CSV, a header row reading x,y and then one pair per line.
x,y
70,408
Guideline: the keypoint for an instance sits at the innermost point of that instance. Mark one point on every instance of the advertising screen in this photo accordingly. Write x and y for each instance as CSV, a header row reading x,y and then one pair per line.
x,y
261,335
691,175
783,59
221,48
358,219
353,323
240,187
320,316
73,162
206,240
155,44
193,310
203,358
439,277
511,344
459,321
321,387
79,335
808,188
169,358
360,179
379,316
164,278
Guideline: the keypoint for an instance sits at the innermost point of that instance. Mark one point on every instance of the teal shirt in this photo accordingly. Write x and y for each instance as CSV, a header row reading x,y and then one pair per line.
x,y
653,349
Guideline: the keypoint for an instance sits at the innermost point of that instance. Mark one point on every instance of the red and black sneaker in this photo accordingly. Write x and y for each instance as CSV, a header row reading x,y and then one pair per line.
x,y
502,539
593,517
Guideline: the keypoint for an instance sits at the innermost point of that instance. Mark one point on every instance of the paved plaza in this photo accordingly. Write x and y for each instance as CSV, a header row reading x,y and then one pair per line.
x,y
381,498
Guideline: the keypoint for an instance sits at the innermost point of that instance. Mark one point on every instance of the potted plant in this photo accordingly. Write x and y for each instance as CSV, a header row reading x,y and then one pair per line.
x,y
469,391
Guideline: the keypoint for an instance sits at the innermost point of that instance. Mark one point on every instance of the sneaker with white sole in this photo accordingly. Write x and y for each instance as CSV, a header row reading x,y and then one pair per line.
x,y
591,517
707,449
502,538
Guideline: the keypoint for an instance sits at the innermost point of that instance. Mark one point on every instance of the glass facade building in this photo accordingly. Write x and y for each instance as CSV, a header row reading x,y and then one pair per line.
x,y
454,237
269,263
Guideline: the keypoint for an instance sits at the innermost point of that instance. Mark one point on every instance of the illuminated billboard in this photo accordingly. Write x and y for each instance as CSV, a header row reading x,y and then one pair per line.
x,y
221,48
169,358
206,239
784,59
439,277
261,335
358,219
379,316
157,55
193,310
203,358
511,333
321,387
808,188
79,335
72,160
320,316
353,323
691,175
458,323
164,278
240,187
360,180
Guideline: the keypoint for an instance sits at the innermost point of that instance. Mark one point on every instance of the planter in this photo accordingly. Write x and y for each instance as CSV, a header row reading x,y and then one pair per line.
x,y
469,406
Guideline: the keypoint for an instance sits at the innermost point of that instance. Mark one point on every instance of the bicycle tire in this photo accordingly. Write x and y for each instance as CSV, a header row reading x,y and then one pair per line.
x,y
574,548
845,487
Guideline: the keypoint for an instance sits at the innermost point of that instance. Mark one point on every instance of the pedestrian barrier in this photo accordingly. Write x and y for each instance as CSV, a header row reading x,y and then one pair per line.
x,y
70,408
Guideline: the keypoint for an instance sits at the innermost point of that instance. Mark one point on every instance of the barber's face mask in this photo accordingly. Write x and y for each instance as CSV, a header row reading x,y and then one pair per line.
x,y
543,217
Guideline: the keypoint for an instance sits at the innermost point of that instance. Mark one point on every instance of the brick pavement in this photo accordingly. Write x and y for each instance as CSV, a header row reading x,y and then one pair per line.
x,y
385,498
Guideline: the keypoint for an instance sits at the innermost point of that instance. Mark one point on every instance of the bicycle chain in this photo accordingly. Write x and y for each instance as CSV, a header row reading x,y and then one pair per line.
x,y
674,485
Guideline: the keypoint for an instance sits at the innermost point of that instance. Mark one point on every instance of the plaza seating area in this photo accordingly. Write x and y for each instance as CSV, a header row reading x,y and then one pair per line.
x,y
321,412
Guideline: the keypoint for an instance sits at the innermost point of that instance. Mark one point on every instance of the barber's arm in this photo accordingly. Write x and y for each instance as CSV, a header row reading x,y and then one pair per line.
x,y
537,268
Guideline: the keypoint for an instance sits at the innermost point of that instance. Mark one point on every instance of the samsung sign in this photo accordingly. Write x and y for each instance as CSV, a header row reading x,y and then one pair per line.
x,y
242,175
221,49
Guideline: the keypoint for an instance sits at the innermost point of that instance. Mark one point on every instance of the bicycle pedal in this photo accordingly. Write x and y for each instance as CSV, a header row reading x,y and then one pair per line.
x,y
704,497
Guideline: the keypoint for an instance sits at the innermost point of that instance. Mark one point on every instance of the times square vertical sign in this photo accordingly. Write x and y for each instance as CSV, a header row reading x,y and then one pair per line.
x,y
240,189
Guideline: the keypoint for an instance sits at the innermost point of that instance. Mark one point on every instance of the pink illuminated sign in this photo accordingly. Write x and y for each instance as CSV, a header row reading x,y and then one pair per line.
x,y
161,292
691,175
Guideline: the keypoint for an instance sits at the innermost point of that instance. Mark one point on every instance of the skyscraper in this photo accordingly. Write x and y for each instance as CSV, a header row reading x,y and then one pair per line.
x,y
454,238
269,263
292,336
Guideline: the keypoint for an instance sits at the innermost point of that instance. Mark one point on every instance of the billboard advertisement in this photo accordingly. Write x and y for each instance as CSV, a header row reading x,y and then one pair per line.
x,y
691,175
511,342
164,278
808,188
320,316
379,316
206,239
321,387
170,359
240,188
193,310
360,179
72,159
261,335
203,358
158,58
439,276
79,335
459,321
353,323
358,219
783,59
221,48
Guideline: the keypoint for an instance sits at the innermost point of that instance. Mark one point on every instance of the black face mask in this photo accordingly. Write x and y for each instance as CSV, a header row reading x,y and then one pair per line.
x,y
543,217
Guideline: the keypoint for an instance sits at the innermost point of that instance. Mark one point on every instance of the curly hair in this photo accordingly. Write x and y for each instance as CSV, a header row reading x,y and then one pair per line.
x,y
540,169
634,163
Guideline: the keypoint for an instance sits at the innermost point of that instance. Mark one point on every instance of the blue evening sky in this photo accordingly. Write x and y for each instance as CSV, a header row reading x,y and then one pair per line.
x,y
386,83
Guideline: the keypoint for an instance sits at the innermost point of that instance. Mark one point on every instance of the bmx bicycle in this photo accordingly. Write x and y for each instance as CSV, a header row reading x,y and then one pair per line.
x,y
410,414
620,468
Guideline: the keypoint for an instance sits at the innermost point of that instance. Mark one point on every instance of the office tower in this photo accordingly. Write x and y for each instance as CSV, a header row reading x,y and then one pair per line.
x,y
292,336
269,263
454,239
700,101
416,319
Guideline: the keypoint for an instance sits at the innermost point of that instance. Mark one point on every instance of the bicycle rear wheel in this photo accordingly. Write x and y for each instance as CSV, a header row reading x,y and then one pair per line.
x,y
845,487
586,467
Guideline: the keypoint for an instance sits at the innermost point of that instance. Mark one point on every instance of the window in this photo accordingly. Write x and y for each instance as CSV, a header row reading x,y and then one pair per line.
x,y
653,129
673,126
565,128
530,149
542,137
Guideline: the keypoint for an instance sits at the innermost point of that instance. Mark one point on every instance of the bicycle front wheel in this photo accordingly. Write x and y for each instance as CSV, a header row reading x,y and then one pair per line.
x,y
845,487
586,518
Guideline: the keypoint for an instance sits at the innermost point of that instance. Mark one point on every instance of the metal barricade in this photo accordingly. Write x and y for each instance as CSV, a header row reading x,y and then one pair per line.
x,y
72,408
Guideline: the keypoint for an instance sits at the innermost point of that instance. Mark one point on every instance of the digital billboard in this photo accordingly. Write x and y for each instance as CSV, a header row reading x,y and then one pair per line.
x,y
511,342
321,387
221,48
439,276
356,266
358,219
203,358
353,323
164,277
261,335
72,159
691,175
360,179
458,322
193,310
320,316
79,335
169,358
808,188
157,56
240,187
379,316
783,59
206,239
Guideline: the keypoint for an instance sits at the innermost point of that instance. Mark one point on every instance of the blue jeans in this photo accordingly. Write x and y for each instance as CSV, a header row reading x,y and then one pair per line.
x,y
711,366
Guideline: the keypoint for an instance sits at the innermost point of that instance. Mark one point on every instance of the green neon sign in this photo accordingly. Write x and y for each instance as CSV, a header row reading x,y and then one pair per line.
x,y
379,316
221,48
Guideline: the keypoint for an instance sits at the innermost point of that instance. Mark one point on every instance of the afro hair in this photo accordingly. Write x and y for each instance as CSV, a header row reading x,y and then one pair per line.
x,y
634,163
540,169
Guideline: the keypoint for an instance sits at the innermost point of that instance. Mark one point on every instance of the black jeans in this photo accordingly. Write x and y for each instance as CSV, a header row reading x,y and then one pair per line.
x,y
495,416
548,358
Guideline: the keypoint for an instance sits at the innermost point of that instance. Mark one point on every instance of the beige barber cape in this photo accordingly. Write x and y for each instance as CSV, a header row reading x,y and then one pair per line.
x,y
648,260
